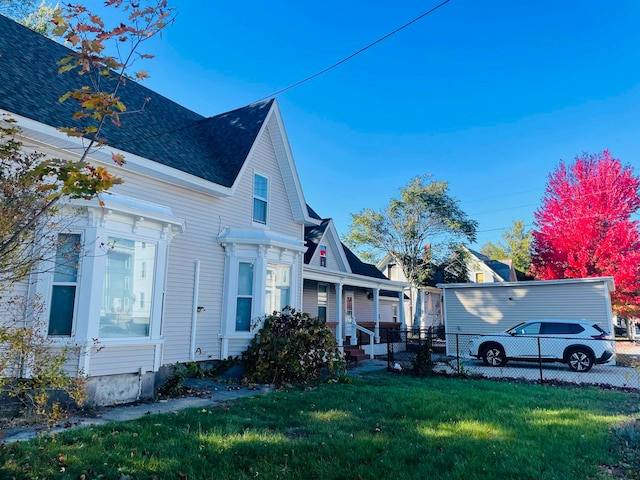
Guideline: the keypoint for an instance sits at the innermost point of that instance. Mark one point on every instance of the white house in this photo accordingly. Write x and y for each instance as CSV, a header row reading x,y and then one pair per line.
x,y
422,307
336,280
206,234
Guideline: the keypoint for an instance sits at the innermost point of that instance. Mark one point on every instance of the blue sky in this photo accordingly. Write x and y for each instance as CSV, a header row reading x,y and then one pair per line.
x,y
488,96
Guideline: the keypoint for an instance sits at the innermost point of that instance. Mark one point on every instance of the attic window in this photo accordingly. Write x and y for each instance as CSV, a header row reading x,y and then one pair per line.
x,y
260,189
323,255
479,277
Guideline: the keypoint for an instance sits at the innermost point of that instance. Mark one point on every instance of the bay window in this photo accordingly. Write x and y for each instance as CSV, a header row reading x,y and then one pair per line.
x,y
124,313
244,299
65,283
278,286
106,282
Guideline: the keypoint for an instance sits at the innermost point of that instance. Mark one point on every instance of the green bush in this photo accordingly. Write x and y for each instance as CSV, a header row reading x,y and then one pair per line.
x,y
291,347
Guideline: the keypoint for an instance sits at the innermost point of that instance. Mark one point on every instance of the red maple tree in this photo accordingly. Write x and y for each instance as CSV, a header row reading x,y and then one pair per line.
x,y
584,227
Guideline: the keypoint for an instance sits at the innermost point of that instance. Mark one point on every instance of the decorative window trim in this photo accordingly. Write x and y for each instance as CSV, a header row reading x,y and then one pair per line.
x,y
262,247
119,217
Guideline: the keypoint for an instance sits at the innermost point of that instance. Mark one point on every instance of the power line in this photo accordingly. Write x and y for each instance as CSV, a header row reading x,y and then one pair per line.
x,y
346,59
300,82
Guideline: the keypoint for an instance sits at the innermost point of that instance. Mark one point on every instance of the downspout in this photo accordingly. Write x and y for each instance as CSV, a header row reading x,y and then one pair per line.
x,y
194,310
339,313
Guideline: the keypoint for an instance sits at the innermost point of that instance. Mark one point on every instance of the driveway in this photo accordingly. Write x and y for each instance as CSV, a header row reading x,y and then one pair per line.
x,y
607,375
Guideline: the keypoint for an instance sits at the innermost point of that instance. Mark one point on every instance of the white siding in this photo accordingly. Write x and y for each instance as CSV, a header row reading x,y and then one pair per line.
x,y
334,250
110,360
489,309
205,217
310,300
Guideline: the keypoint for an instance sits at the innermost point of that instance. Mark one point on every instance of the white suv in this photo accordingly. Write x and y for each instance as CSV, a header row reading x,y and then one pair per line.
x,y
578,343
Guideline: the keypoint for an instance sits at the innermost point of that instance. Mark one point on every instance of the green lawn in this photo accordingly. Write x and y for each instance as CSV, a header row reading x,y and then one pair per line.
x,y
382,426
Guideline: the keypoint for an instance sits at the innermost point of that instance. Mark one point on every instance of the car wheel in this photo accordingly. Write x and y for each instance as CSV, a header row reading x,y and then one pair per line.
x,y
580,360
493,356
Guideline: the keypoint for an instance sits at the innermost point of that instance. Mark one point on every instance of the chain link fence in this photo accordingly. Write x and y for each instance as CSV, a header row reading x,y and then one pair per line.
x,y
545,359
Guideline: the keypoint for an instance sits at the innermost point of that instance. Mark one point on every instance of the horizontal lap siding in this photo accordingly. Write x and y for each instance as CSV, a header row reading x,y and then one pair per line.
x,y
489,310
237,346
363,307
202,215
310,300
110,360
280,213
205,217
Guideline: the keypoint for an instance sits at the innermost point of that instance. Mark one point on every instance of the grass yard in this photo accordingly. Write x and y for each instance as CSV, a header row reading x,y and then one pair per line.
x,y
382,426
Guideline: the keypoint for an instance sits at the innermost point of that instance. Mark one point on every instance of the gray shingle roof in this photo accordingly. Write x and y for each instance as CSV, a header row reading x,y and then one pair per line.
x,y
313,235
210,148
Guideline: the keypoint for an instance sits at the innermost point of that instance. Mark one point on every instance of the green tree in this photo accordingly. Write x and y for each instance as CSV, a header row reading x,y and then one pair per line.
x,y
421,230
39,19
16,9
33,184
35,16
516,247
424,226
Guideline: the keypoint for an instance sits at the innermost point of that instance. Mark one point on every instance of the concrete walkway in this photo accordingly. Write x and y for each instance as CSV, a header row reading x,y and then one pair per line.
x,y
207,393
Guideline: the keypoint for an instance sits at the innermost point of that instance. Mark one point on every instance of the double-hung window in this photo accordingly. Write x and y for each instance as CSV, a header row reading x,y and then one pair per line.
x,y
244,298
65,283
322,301
260,198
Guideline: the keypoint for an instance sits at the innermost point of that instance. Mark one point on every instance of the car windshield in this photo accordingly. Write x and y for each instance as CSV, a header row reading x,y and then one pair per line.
x,y
512,330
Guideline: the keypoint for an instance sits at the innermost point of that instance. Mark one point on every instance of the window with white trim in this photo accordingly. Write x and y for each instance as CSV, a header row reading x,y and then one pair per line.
x,y
244,298
64,286
260,198
278,287
121,315
103,293
322,301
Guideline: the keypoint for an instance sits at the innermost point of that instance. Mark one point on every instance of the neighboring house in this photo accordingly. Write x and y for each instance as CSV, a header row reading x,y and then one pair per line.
x,y
481,269
487,308
206,234
422,309
355,298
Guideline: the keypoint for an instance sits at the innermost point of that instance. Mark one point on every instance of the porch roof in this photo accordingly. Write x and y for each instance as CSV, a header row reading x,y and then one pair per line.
x,y
352,279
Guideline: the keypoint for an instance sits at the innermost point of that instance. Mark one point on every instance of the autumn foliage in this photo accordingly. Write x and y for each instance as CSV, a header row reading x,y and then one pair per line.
x,y
584,227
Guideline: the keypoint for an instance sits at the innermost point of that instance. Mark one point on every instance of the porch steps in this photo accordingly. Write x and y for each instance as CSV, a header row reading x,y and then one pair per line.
x,y
353,353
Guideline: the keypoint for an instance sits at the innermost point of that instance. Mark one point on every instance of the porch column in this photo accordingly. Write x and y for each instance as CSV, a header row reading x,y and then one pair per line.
x,y
403,324
376,313
339,316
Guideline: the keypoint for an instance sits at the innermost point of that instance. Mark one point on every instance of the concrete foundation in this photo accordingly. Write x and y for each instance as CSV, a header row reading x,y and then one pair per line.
x,y
123,388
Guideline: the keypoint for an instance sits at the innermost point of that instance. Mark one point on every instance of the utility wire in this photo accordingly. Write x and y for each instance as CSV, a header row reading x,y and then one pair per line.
x,y
346,59
300,82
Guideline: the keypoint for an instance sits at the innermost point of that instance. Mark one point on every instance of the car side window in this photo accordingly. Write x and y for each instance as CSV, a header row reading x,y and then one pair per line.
x,y
528,329
556,329
575,328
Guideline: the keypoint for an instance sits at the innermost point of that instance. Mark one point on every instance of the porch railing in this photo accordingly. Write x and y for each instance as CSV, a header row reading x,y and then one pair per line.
x,y
371,334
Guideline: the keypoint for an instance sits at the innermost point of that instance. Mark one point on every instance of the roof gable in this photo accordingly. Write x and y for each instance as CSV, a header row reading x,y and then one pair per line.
x,y
502,270
326,234
213,149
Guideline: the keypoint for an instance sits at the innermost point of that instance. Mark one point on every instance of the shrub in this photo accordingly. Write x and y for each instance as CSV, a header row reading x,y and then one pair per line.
x,y
32,366
291,347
